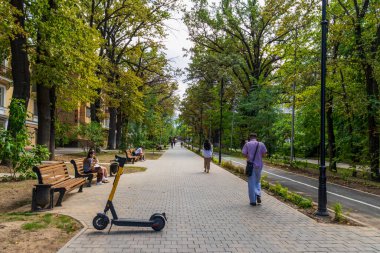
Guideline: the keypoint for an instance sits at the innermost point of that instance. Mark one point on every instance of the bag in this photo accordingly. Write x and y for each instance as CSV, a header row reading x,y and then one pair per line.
x,y
249,169
250,165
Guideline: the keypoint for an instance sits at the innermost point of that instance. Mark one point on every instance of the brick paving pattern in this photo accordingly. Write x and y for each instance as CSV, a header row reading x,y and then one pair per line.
x,y
206,213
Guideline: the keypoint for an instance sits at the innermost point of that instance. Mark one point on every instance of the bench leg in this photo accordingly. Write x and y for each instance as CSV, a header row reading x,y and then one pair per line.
x,y
81,188
51,205
61,194
90,177
34,207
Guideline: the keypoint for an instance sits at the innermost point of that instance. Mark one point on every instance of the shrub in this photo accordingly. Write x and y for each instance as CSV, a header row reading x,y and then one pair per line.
x,y
283,192
338,210
13,143
63,133
305,203
94,133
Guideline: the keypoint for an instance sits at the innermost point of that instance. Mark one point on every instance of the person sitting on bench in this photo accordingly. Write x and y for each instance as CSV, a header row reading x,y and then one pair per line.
x,y
90,165
140,153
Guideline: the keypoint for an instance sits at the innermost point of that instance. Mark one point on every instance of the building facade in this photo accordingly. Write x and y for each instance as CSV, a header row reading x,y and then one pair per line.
x,y
6,91
81,115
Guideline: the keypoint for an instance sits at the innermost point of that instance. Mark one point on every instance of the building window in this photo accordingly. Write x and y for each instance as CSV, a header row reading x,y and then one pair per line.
x,y
88,112
35,108
106,122
2,96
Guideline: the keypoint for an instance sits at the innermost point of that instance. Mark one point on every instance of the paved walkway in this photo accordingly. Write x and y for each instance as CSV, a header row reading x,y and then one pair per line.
x,y
206,213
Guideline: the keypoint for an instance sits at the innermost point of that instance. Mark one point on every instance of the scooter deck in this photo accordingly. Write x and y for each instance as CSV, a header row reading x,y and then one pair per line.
x,y
132,222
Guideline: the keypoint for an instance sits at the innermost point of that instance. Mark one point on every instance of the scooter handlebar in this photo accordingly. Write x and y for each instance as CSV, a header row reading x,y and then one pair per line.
x,y
120,160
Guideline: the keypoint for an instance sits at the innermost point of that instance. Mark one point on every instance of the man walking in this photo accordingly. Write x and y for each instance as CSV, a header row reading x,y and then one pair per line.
x,y
254,151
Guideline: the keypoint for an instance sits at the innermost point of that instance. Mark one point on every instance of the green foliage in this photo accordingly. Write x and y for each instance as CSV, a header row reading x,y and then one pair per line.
x,y
31,158
338,210
94,134
34,226
64,133
285,194
15,216
13,144
38,222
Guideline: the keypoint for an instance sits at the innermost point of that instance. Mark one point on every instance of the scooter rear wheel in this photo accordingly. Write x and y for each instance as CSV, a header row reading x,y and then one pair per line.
x,y
100,221
158,222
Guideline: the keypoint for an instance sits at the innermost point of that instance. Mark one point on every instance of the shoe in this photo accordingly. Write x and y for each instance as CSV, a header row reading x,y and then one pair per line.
x,y
205,170
99,183
208,171
253,204
259,199
105,181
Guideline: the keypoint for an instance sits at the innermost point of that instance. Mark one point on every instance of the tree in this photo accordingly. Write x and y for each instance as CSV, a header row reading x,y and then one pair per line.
x,y
61,69
19,59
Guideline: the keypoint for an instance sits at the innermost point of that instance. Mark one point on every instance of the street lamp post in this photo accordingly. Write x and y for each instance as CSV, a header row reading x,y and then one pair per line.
x,y
322,191
294,99
221,120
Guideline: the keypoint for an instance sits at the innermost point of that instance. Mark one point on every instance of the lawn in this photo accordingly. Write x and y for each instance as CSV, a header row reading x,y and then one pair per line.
x,y
35,232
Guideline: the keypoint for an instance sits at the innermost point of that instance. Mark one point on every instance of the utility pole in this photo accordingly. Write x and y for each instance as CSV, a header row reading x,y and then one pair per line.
x,y
221,120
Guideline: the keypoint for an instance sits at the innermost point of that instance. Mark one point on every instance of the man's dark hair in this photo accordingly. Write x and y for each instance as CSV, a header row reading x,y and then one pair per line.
x,y
252,136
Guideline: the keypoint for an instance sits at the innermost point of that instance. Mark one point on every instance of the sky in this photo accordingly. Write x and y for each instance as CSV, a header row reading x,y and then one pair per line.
x,y
175,42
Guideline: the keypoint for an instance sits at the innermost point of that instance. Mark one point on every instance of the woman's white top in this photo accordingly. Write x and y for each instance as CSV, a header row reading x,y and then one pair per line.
x,y
207,153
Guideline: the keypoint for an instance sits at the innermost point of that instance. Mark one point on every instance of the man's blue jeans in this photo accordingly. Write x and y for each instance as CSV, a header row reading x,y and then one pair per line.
x,y
254,186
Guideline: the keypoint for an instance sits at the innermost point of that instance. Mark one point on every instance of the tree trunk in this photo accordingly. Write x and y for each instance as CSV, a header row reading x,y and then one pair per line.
x,y
373,133
20,62
112,130
354,146
372,94
95,107
43,100
53,99
44,115
330,133
119,128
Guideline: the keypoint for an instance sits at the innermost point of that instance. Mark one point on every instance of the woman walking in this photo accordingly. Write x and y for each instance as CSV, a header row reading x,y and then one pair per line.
x,y
207,154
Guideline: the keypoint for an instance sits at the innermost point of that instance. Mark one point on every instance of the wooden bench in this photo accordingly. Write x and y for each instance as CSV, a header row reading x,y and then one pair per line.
x,y
56,178
130,157
79,172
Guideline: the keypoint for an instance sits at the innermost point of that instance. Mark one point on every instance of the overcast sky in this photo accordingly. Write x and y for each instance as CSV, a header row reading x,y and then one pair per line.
x,y
177,40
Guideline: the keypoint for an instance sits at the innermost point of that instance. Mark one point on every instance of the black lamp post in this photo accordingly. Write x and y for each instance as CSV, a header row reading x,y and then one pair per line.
x,y
322,191
221,120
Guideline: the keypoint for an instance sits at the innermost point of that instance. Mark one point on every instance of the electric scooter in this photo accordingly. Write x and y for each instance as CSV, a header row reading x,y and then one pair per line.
x,y
156,221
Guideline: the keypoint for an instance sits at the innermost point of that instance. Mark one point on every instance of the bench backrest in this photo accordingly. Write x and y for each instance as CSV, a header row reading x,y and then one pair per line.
x,y
51,173
78,166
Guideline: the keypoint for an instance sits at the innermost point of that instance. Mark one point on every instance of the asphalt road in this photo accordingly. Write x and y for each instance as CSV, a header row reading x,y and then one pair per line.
x,y
364,207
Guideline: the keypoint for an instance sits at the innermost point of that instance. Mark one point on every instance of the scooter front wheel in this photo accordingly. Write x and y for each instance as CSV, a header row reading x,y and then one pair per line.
x,y
100,221
158,222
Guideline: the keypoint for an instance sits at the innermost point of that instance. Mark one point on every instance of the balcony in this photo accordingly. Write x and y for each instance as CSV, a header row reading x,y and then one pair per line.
x,y
6,72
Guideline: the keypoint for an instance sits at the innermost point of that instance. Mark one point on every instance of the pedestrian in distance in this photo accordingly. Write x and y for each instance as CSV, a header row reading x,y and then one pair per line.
x,y
254,151
207,154
171,140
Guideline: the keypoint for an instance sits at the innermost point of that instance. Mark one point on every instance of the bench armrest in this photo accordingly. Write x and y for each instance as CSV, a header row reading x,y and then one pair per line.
x,y
43,185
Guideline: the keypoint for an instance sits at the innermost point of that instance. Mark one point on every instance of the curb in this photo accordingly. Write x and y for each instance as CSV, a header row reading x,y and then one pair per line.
x,y
75,236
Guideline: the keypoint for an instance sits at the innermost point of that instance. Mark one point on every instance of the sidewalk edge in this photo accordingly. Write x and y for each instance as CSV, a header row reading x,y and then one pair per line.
x,y
85,227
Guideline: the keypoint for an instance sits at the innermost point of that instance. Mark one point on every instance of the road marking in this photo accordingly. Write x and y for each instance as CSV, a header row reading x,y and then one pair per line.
x,y
332,193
